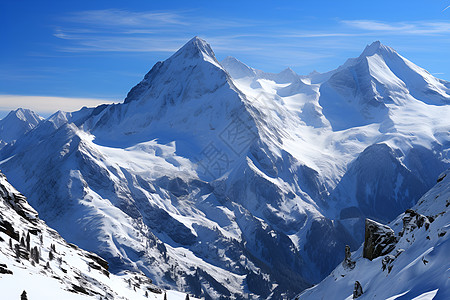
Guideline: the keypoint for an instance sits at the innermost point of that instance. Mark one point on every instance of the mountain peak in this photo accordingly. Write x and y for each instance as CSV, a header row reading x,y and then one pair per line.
x,y
17,123
194,47
236,68
376,47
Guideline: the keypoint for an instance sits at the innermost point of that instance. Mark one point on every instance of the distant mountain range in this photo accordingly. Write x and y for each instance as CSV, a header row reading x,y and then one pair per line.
x,y
226,182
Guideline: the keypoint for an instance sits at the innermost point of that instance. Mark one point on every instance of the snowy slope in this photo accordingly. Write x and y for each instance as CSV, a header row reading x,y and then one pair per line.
x,y
222,180
59,270
16,124
420,267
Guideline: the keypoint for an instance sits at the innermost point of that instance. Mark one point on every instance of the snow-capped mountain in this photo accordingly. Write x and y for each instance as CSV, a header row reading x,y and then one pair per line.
x,y
37,261
16,124
224,181
414,265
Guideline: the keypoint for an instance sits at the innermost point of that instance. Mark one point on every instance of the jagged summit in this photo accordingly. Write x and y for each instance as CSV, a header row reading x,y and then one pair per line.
x,y
195,46
26,115
195,59
376,47
17,123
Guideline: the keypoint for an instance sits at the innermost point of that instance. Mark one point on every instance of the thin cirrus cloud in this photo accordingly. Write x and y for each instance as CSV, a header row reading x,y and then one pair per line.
x,y
120,18
401,28
47,105
114,30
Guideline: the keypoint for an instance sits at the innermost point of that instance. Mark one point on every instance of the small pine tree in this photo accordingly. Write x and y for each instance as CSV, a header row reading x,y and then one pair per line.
x,y
146,294
28,242
10,244
36,254
24,296
50,255
187,297
41,238
22,242
17,249
165,296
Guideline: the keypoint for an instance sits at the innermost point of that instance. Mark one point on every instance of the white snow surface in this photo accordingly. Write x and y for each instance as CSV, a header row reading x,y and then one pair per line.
x,y
212,172
70,266
16,124
421,270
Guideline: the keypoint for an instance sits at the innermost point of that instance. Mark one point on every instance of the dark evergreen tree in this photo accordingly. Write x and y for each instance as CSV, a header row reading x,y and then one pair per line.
x,y
146,294
165,296
10,244
24,296
22,242
28,242
187,297
50,255
36,254
17,249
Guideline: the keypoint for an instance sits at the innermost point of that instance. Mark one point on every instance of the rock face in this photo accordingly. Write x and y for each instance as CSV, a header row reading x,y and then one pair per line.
x,y
31,251
379,240
413,220
418,266
348,263
357,291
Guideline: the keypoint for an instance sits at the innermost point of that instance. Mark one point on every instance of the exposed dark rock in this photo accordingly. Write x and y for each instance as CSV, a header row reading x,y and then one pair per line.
x,y
8,229
154,289
258,285
379,240
4,269
348,263
357,291
387,262
441,177
413,220
103,263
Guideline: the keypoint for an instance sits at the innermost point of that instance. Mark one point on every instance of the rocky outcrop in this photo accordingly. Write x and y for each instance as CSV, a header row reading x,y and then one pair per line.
x,y
379,240
357,291
348,263
413,220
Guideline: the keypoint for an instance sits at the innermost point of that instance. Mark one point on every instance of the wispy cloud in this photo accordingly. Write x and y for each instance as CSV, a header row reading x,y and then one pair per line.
x,y
401,28
446,8
46,105
120,18
286,44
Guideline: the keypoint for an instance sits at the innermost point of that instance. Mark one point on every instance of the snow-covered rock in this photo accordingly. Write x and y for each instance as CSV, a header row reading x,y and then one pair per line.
x,y
16,124
379,240
35,259
417,266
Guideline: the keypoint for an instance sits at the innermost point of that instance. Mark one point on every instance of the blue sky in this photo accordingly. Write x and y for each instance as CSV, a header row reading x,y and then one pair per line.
x,y
87,52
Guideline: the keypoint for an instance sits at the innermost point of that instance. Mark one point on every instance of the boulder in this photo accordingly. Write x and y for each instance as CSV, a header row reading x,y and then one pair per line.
x,y
379,240
357,291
